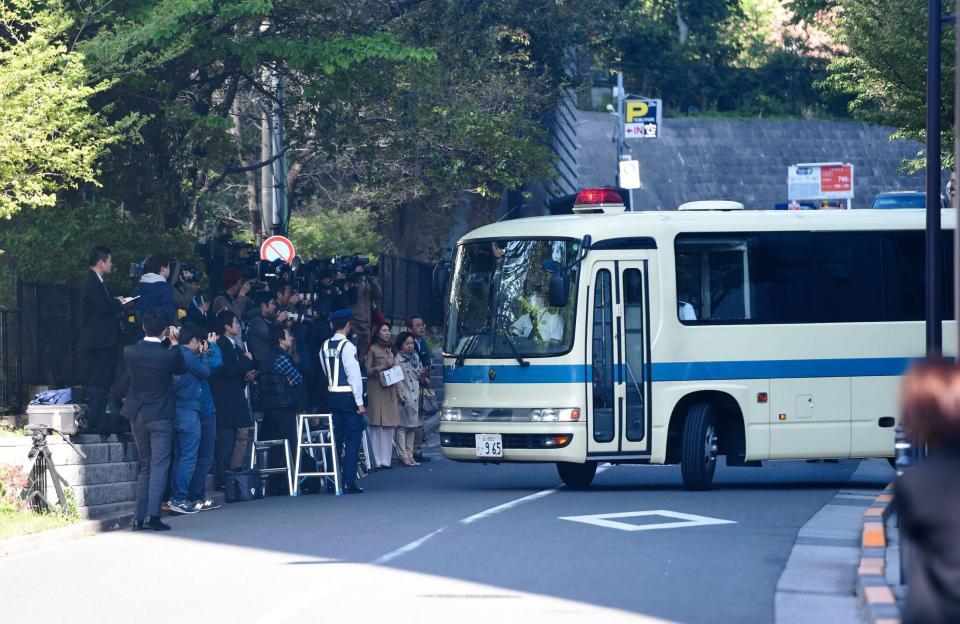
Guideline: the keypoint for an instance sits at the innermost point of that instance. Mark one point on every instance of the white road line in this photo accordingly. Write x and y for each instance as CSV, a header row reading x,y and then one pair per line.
x,y
495,510
407,547
471,519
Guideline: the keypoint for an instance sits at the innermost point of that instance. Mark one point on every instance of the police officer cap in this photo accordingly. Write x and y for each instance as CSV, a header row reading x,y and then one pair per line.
x,y
338,315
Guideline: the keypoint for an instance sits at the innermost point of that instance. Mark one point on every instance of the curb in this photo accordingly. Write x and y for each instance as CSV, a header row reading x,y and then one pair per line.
x,y
876,598
45,539
86,528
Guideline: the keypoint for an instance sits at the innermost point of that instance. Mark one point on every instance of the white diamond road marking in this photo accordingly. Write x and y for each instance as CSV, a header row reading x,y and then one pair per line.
x,y
686,520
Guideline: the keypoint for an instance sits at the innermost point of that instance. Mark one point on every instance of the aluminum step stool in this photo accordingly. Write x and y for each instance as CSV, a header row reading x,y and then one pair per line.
x,y
264,447
327,440
365,456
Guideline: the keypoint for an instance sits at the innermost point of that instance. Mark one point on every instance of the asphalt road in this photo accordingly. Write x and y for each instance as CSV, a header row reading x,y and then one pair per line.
x,y
483,542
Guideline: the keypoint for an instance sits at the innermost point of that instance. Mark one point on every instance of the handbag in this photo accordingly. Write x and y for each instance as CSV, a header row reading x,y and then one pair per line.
x,y
244,485
391,376
429,403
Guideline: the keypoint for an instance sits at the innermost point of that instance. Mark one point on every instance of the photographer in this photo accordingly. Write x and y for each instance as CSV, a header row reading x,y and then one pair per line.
x,y
281,397
150,406
364,293
227,386
197,493
154,290
187,423
234,297
187,297
258,329
300,318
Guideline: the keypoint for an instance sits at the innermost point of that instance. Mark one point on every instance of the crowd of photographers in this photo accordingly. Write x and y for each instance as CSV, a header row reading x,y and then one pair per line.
x,y
204,369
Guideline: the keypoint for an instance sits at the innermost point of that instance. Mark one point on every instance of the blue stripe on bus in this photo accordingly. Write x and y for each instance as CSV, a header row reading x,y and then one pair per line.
x,y
513,373
686,371
780,369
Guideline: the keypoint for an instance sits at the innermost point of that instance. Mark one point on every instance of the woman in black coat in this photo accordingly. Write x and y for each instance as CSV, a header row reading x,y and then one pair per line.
x,y
228,385
928,494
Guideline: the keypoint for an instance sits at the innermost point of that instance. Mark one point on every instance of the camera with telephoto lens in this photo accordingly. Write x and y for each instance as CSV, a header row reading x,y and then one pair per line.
x,y
301,317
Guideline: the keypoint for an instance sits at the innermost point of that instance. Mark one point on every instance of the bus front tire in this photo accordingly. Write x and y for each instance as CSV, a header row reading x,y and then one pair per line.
x,y
699,449
577,475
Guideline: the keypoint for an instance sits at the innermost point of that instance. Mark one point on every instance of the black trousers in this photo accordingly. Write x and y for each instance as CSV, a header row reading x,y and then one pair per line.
x,y
102,371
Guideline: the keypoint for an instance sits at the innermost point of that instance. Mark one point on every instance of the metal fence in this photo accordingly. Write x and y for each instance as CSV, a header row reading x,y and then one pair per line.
x,y
408,290
50,315
11,362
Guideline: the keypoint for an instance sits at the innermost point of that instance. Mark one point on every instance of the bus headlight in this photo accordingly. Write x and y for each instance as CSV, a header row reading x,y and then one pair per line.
x,y
451,413
554,414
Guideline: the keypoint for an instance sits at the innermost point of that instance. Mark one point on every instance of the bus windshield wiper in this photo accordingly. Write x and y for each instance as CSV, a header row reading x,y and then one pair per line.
x,y
467,347
513,347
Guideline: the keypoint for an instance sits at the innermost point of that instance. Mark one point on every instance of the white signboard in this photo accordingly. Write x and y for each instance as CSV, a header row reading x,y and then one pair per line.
x,y
641,119
820,181
629,174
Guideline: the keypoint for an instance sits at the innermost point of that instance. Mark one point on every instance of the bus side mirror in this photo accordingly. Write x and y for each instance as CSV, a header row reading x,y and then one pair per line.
x,y
441,277
559,284
559,289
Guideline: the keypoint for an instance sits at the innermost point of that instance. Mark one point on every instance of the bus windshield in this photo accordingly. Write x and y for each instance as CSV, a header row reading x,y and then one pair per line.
x,y
500,304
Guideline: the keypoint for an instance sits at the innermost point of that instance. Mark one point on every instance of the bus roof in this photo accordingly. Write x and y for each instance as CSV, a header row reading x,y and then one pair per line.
x,y
668,223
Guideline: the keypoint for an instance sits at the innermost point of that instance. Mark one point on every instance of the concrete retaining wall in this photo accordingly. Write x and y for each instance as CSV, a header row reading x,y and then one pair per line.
x,y
741,160
104,483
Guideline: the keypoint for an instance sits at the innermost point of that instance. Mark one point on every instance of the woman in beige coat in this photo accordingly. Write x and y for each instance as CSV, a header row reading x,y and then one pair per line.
x,y
383,404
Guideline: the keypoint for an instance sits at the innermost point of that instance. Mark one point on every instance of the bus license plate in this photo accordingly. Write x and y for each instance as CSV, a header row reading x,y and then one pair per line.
x,y
489,445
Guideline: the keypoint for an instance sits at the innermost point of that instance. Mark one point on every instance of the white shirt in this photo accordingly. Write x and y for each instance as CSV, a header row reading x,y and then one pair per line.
x,y
549,325
351,367
152,339
686,311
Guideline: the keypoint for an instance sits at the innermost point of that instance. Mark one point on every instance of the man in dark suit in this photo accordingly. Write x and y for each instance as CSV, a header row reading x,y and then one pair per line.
x,y
99,327
150,406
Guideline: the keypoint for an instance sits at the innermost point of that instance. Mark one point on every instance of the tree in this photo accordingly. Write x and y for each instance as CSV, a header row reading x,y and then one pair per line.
x,y
885,69
51,245
199,69
330,232
50,136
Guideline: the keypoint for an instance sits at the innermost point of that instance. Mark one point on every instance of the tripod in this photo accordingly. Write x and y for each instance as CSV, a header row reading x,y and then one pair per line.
x,y
41,463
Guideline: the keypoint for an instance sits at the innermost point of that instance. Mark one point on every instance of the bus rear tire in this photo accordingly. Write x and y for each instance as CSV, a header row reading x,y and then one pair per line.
x,y
577,475
698,460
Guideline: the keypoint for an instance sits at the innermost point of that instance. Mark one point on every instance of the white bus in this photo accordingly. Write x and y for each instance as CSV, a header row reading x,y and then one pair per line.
x,y
677,337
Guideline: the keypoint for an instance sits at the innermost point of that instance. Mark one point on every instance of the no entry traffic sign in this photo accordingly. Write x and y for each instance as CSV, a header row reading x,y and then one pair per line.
x,y
277,248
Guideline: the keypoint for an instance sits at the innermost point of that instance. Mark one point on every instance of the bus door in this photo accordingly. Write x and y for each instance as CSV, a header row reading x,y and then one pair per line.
x,y
618,359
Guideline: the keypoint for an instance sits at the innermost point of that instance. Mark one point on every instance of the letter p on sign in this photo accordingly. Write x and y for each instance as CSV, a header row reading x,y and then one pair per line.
x,y
636,110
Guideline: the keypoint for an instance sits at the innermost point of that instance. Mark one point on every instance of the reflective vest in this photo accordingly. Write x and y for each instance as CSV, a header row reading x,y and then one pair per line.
x,y
331,359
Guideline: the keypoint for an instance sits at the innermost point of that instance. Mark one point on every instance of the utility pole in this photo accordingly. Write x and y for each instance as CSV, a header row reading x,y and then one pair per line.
x,y
621,133
273,177
266,172
278,167
934,258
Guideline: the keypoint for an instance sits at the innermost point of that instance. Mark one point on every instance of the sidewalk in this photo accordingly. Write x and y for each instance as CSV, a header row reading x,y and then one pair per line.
x,y
819,581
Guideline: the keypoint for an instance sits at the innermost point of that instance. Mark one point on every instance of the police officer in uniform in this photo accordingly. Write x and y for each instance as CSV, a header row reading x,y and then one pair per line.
x,y
339,360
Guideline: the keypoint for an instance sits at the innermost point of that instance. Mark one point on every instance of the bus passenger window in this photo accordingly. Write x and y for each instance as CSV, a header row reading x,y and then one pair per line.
x,y
713,278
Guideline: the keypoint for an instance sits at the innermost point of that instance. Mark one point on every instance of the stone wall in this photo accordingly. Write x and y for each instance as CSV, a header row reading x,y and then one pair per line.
x,y
741,160
104,483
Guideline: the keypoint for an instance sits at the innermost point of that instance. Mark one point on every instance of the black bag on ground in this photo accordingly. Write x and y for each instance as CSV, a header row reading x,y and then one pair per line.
x,y
243,485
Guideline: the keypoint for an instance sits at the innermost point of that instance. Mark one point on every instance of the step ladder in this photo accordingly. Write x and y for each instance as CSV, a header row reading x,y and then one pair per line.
x,y
365,456
323,440
263,447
